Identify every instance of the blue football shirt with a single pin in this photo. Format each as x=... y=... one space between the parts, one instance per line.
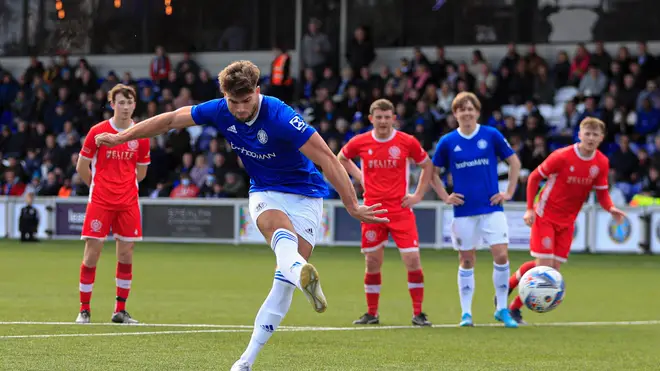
x=268 y=145
x=472 y=161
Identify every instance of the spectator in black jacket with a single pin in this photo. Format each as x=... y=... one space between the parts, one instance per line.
x=360 y=52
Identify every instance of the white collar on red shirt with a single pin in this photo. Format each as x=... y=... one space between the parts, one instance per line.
x=579 y=155
x=119 y=130
x=373 y=134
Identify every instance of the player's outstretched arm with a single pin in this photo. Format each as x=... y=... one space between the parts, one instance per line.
x=84 y=170
x=318 y=151
x=603 y=196
x=152 y=127
x=350 y=167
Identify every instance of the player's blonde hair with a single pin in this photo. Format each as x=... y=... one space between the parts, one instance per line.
x=239 y=78
x=381 y=104
x=462 y=99
x=122 y=89
x=593 y=123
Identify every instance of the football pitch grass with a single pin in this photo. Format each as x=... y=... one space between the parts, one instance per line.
x=197 y=303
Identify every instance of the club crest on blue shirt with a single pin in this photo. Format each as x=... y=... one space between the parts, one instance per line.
x=262 y=136
x=482 y=144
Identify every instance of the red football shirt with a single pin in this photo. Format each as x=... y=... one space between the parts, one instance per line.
x=114 y=170
x=385 y=167
x=571 y=177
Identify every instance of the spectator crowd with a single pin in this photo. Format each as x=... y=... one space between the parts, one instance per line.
x=536 y=102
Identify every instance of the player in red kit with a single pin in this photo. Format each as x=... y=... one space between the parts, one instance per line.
x=384 y=154
x=572 y=173
x=112 y=175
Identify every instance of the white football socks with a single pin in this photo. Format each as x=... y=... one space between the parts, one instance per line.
x=466 y=289
x=270 y=315
x=285 y=245
x=501 y=282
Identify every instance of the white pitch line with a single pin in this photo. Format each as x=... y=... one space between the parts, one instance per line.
x=189 y=325
x=329 y=328
x=246 y=328
x=44 y=336
x=547 y=324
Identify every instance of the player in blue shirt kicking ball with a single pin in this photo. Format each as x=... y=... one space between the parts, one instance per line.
x=470 y=153
x=278 y=150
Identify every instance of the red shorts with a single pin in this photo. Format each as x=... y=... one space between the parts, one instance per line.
x=126 y=225
x=403 y=228
x=550 y=240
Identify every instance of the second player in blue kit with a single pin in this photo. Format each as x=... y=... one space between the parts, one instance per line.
x=471 y=154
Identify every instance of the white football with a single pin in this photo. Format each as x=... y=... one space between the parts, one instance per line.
x=542 y=289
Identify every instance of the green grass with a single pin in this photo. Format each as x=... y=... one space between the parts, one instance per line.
x=225 y=285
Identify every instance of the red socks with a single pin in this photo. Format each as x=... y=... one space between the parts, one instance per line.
x=124 y=278
x=416 y=288
x=372 y=291
x=514 y=280
x=87 y=276
x=516 y=304
x=372 y=282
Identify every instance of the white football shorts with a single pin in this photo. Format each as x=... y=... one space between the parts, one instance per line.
x=467 y=232
x=304 y=212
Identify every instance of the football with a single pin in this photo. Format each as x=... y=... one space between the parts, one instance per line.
x=542 y=289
